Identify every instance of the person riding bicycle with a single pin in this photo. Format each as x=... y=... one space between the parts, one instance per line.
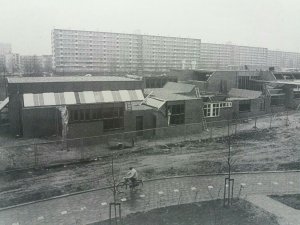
x=132 y=175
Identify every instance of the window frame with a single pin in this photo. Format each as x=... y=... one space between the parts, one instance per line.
x=113 y=115
x=213 y=109
x=245 y=102
x=177 y=114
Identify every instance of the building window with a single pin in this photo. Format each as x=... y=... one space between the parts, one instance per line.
x=297 y=94
x=277 y=100
x=213 y=109
x=206 y=110
x=176 y=114
x=112 y=117
x=74 y=116
x=96 y=114
x=245 y=106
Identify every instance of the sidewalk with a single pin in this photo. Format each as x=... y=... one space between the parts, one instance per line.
x=285 y=214
x=93 y=206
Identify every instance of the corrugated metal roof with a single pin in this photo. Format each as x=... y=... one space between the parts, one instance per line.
x=86 y=97
x=179 y=87
x=243 y=93
x=236 y=99
x=18 y=80
x=154 y=102
x=138 y=107
x=166 y=95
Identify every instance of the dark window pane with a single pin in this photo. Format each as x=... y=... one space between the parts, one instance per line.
x=116 y=112
x=116 y=123
x=75 y=113
x=94 y=114
x=121 y=123
x=177 y=114
x=121 y=112
x=82 y=114
x=108 y=112
x=99 y=113
x=244 y=106
x=87 y=114
x=182 y=108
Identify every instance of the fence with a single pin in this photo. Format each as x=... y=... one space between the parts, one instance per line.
x=49 y=153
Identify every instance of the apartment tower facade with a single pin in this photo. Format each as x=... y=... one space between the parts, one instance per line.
x=92 y=51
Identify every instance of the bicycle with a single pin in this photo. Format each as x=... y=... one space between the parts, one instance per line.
x=128 y=184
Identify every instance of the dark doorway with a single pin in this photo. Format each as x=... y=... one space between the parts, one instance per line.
x=139 y=125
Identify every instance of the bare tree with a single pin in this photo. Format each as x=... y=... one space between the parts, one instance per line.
x=231 y=160
x=113 y=178
x=32 y=67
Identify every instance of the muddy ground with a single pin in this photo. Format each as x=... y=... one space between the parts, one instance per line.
x=252 y=150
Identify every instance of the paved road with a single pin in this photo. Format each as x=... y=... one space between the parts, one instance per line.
x=93 y=206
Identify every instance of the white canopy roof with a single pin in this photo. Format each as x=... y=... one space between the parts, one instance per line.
x=85 y=97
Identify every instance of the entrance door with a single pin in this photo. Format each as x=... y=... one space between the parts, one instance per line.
x=139 y=125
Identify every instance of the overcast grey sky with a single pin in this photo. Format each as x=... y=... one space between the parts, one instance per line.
x=274 y=24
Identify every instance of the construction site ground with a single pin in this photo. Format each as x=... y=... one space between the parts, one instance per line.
x=253 y=149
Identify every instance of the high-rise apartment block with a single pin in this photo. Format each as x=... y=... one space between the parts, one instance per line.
x=91 y=51
x=280 y=59
x=228 y=56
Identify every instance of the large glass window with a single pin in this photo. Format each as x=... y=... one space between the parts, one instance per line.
x=245 y=106
x=176 y=114
x=113 y=117
x=206 y=110
x=213 y=109
x=277 y=100
x=216 y=110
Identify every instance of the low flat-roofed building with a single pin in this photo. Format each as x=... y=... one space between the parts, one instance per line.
x=176 y=107
x=247 y=103
x=90 y=106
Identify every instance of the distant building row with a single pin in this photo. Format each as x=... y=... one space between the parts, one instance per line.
x=14 y=63
x=92 y=51
x=233 y=57
x=75 y=51
x=84 y=106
